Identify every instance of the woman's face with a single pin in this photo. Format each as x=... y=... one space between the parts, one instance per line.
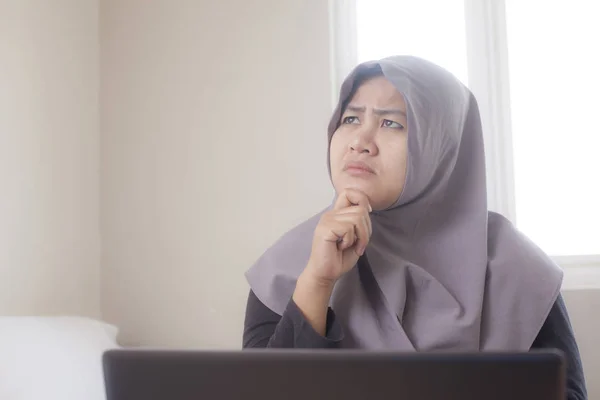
x=369 y=149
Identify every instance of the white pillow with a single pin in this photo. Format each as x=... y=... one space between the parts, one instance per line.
x=53 y=358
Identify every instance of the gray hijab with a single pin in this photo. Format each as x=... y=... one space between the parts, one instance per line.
x=440 y=271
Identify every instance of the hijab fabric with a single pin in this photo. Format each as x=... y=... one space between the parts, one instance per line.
x=440 y=271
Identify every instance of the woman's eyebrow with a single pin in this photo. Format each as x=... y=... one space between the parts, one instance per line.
x=389 y=111
x=357 y=109
x=378 y=111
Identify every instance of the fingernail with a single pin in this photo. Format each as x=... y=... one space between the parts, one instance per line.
x=370 y=208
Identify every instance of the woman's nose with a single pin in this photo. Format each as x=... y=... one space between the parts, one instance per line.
x=363 y=141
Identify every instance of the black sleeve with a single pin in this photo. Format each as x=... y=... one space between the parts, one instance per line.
x=557 y=333
x=265 y=329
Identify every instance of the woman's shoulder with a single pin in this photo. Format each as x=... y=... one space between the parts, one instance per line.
x=513 y=257
x=273 y=276
x=505 y=241
x=291 y=245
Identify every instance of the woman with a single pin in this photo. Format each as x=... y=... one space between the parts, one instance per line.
x=408 y=256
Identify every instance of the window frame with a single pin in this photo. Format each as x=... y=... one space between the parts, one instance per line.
x=486 y=34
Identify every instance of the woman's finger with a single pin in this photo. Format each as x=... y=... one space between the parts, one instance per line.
x=339 y=231
x=346 y=234
x=350 y=197
x=352 y=209
x=361 y=223
x=369 y=225
x=363 y=236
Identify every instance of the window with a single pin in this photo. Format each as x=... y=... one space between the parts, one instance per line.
x=386 y=27
x=555 y=103
x=537 y=85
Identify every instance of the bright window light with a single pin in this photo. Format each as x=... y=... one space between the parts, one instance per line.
x=555 y=105
x=554 y=87
x=431 y=29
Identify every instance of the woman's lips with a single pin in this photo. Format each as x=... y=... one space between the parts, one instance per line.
x=358 y=168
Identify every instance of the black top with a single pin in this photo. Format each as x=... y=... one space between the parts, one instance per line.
x=264 y=328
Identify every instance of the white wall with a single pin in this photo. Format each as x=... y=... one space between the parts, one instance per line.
x=213 y=138
x=49 y=235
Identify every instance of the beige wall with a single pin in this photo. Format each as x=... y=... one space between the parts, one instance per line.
x=49 y=235
x=213 y=143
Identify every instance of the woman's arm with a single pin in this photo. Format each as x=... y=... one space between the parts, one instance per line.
x=340 y=238
x=557 y=333
x=265 y=329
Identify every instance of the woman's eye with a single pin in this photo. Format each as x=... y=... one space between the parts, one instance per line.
x=350 y=120
x=391 y=124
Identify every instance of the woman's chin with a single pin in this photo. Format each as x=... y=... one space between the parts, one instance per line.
x=378 y=199
x=363 y=187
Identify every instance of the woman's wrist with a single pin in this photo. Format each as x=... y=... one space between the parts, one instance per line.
x=310 y=277
x=312 y=296
x=318 y=288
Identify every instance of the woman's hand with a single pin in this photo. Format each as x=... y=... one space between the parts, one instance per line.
x=340 y=238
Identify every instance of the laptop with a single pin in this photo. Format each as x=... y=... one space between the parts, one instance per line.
x=332 y=374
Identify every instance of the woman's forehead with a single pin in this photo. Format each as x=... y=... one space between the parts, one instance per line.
x=377 y=92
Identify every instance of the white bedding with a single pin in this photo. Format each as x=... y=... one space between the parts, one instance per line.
x=53 y=358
